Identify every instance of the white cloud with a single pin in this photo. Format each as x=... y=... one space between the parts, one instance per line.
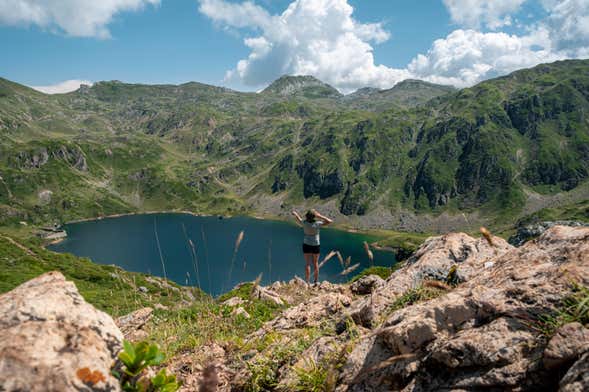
x=337 y=49
x=466 y=57
x=475 y=13
x=568 y=26
x=63 y=87
x=316 y=37
x=78 y=18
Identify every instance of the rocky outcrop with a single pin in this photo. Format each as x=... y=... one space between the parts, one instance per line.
x=132 y=325
x=432 y=261
x=52 y=340
x=480 y=335
x=529 y=232
x=35 y=159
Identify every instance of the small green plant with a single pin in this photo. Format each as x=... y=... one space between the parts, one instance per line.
x=312 y=377
x=383 y=272
x=263 y=375
x=135 y=358
x=575 y=308
x=413 y=296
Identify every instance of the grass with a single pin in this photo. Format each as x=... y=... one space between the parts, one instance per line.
x=419 y=294
x=573 y=308
x=109 y=288
x=205 y=321
x=383 y=272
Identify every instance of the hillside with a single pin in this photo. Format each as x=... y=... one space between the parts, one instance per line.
x=462 y=313
x=490 y=154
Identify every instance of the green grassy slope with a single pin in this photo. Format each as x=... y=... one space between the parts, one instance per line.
x=119 y=147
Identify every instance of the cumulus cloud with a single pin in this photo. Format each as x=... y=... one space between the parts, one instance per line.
x=568 y=26
x=338 y=49
x=63 y=87
x=332 y=46
x=78 y=18
x=466 y=57
x=475 y=13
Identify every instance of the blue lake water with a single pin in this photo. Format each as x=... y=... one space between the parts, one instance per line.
x=272 y=248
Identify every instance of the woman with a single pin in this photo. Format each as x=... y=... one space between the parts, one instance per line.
x=311 y=245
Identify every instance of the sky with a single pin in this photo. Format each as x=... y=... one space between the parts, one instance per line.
x=55 y=45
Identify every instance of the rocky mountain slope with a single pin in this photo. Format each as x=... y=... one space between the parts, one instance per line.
x=461 y=314
x=416 y=156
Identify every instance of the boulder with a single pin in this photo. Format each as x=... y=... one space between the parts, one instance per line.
x=366 y=284
x=131 y=325
x=566 y=346
x=233 y=301
x=477 y=336
x=432 y=261
x=52 y=340
x=577 y=377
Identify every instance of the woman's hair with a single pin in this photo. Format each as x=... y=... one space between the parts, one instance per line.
x=310 y=216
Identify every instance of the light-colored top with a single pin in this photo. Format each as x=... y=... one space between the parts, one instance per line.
x=311 y=231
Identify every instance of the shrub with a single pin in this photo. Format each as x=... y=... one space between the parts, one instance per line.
x=135 y=358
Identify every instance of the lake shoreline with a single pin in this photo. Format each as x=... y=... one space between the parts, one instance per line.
x=258 y=217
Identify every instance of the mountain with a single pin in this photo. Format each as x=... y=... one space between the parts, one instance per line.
x=303 y=86
x=408 y=93
x=489 y=154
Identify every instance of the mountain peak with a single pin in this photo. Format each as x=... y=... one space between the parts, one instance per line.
x=301 y=85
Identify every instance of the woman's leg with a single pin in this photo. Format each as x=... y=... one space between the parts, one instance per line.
x=308 y=260
x=316 y=265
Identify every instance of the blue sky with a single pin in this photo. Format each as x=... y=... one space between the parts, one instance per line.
x=245 y=45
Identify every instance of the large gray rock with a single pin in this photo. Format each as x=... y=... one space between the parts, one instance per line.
x=52 y=340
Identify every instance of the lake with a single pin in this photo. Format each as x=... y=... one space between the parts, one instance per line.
x=272 y=248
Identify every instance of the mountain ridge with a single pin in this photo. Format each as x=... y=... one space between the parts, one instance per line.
x=492 y=152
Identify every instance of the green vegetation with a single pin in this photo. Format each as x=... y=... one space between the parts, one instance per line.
x=312 y=377
x=574 y=308
x=117 y=147
x=109 y=288
x=383 y=272
x=422 y=293
x=135 y=359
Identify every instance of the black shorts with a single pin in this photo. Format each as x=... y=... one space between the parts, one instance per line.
x=314 y=249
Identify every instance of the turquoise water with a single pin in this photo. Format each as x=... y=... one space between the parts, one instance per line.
x=269 y=247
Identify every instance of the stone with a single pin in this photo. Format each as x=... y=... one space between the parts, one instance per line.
x=477 y=336
x=233 y=301
x=53 y=340
x=131 y=325
x=143 y=289
x=45 y=196
x=576 y=378
x=264 y=294
x=240 y=312
x=566 y=346
x=366 y=284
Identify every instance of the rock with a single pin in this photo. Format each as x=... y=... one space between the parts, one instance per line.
x=45 y=196
x=52 y=340
x=240 y=312
x=577 y=377
x=233 y=301
x=566 y=346
x=366 y=284
x=308 y=313
x=298 y=281
x=203 y=370
x=433 y=260
x=143 y=289
x=529 y=232
x=477 y=336
x=262 y=293
x=131 y=325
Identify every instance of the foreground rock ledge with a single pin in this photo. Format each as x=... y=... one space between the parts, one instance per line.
x=52 y=340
